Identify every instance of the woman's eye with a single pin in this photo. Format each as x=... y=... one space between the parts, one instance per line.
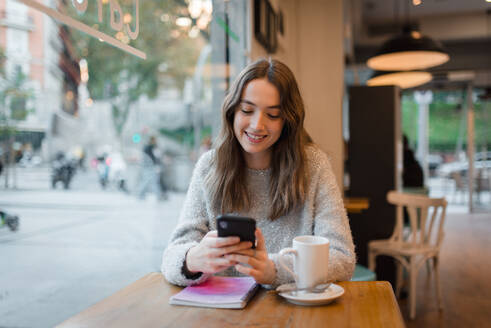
x=246 y=110
x=274 y=116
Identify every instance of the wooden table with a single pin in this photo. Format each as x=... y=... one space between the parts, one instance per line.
x=356 y=204
x=145 y=303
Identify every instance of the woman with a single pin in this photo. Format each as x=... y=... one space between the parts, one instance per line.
x=265 y=167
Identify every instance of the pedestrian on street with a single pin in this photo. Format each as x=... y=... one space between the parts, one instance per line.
x=150 y=170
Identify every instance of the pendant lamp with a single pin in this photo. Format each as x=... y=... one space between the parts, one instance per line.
x=403 y=79
x=408 y=51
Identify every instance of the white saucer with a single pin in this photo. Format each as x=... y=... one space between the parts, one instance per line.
x=305 y=298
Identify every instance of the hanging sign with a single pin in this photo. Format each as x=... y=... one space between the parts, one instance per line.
x=117 y=22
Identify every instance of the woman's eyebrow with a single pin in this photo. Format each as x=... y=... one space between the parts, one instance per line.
x=253 y=104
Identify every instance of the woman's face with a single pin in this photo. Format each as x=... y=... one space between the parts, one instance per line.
x=258 y=122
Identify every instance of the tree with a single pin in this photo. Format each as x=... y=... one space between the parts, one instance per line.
x=122 y=78
x=14 y=97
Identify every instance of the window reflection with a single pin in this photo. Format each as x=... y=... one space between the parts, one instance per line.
x=72 y=105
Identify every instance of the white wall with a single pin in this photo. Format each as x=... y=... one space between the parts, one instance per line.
x=313 y=48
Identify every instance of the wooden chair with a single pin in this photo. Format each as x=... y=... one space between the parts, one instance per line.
x=416 y=245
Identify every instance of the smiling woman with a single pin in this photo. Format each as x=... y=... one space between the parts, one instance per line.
x=267 y=88
x=258 y=122
x=266 y=167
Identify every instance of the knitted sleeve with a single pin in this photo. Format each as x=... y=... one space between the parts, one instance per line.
x=328 y=219
x=331 y=221
x=192 y=226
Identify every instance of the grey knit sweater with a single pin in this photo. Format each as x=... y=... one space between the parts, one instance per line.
x=322 y=214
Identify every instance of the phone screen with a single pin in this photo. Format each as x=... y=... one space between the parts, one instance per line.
x=243 y=227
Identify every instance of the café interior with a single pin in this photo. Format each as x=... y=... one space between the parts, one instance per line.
x=336 y=50
x=337 y=44
x=363 y=34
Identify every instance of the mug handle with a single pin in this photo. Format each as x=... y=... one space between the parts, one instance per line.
x=284 y=252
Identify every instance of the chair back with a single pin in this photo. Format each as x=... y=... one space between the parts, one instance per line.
x=426 y=219
x=460 y=183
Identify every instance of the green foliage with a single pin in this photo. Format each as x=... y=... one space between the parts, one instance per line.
x=410 y=120
x=185 y=135
x=122 y=78
x=3 y=58
x=447 y=122
x=14 y=97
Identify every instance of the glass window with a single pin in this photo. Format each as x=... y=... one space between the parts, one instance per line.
x=103 y=114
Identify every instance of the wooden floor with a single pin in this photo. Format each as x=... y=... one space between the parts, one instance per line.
x=465 y=277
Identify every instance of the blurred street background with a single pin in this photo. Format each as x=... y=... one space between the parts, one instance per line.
x=75 y=247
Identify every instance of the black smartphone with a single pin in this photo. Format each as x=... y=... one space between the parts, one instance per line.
x=232 y=225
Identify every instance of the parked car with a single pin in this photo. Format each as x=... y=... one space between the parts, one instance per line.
x=482 y=160
x=434 y=161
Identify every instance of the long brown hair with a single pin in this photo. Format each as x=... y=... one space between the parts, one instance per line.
x=227 y=176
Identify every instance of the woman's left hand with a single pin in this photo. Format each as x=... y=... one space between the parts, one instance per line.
x=262 y=269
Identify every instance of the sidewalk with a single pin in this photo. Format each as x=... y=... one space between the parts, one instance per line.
x=75 y=247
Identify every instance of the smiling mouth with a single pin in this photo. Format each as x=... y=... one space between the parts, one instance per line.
x=254 y=137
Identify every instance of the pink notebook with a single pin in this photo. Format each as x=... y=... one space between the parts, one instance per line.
x=218 y=292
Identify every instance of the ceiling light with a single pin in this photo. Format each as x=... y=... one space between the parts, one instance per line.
x=194 y=8
x=183 y=21
x=408 y=51
x=405 y=80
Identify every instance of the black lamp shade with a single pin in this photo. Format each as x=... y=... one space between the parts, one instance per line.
x=408 y=51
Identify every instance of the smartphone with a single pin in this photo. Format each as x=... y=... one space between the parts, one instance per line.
x=232 y=225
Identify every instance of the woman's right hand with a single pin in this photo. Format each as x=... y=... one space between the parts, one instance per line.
x=207 y=256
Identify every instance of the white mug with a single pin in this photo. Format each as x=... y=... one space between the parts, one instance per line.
x=311 y=258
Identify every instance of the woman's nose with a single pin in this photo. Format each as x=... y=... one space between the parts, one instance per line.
x=257 y=121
